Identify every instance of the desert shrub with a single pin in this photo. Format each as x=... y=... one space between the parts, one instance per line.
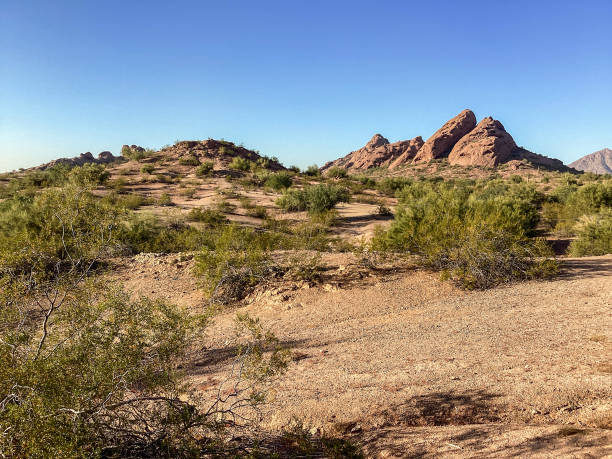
x=594 y=235
x=240 y=164
x=89 y=174
x=390 y=185
x=165 y=200
x=279 y=181
x=294 y=169
x=144 y=234
x=478 y=237
x=189 y=192
x=136 y=153
x=383 y=210
x=223 y=205
x=336 y=172
x=312 y=171
x=574 y=201
x=86 y=371
x=189 y=160
x=257 y=212
x=128 y=201
x=304 y=268
x=209 y=216
x=315 y=199
x=235 y=263
x=55 y=176
x=367 y=182
x=147 y=168
x=205 y=169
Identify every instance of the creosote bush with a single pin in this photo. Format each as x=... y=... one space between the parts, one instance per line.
x=594 y=235
x=205 y=169
x=315 y=199
x=279 y=181
x=312 y=171
x=336 y=172
x=477 y=235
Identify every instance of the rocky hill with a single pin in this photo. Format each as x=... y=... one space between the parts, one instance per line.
x=221 y=152
x=185 y=153
x=104 y=157
x=461 y=140
x=599 y=162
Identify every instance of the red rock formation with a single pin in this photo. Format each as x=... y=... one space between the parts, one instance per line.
x=441 y=143
x=488 y=144
x=378 y=152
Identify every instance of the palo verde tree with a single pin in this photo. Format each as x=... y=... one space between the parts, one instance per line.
x=87 y=371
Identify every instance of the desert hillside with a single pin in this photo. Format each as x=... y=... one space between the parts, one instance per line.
x=216 y=301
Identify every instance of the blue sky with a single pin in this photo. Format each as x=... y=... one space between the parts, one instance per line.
x=307 y=81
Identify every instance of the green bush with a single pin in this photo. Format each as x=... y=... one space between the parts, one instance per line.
x=189 y=160
x=233 y=265
x=135 y=153
x=165 y=200
x=208 y=216
x=315 y=199
x=145 y=234
x=147 y=168
x=205 y=169
x=477 y=235
x=594 y=235
x=240 y=164
x=86 y=371
x=390 y=185
x=257 y=212
x=336 y=172
x=279 y=181
x=312 y=171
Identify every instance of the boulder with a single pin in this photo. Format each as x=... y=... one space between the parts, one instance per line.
x=106 y=157
x=488 y=144
x=441 y=143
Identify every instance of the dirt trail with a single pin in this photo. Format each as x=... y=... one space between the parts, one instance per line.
x=412 y=366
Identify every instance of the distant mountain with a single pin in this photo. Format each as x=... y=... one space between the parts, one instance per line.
x=599 y=162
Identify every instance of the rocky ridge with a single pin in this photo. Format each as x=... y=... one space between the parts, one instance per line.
x=461 y=140
x=378 y=152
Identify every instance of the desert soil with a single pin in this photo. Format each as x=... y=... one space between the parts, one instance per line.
x=409 y=366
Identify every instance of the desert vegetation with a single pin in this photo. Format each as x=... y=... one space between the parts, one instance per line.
x=90 y=369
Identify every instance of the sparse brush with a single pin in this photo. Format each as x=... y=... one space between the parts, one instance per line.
x=189 y=160
x=205 y=169
x=312 y=171
x=594 y=235
x=279 y=181
x=165 y=200
x=209 y=216
x=315 y=199
x=336 y=172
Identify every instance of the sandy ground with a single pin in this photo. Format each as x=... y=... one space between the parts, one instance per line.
x=409 y=366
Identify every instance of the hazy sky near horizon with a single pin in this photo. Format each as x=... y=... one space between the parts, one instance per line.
x=307 y=81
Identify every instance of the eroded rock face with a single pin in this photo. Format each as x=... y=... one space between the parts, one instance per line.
x=441 y=143
x=488 y=144
x=378 y=152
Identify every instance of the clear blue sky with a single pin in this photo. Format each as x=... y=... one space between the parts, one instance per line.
x=306 y=81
